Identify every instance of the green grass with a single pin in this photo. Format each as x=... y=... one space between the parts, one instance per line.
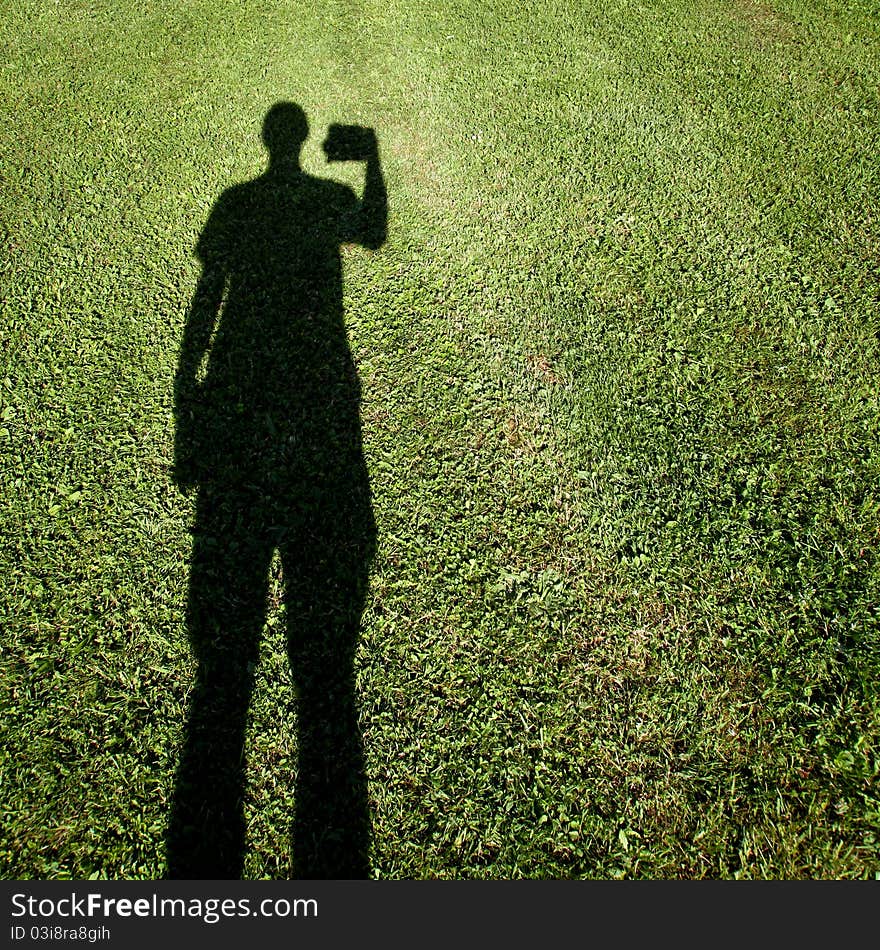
x=619 y=361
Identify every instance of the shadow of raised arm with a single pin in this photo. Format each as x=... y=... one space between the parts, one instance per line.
x=367 y=225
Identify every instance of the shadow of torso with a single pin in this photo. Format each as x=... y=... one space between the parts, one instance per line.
x=280 y=398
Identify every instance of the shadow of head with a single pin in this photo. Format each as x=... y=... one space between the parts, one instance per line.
x=285 y=128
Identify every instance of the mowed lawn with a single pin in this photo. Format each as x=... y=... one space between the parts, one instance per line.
x=618 y=360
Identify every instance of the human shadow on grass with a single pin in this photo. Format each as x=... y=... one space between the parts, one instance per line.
x=267 y=405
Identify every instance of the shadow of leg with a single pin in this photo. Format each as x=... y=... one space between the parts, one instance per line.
x=331 y=829
x=226 y=610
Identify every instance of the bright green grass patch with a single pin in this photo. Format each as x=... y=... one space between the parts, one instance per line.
x=619 y=361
